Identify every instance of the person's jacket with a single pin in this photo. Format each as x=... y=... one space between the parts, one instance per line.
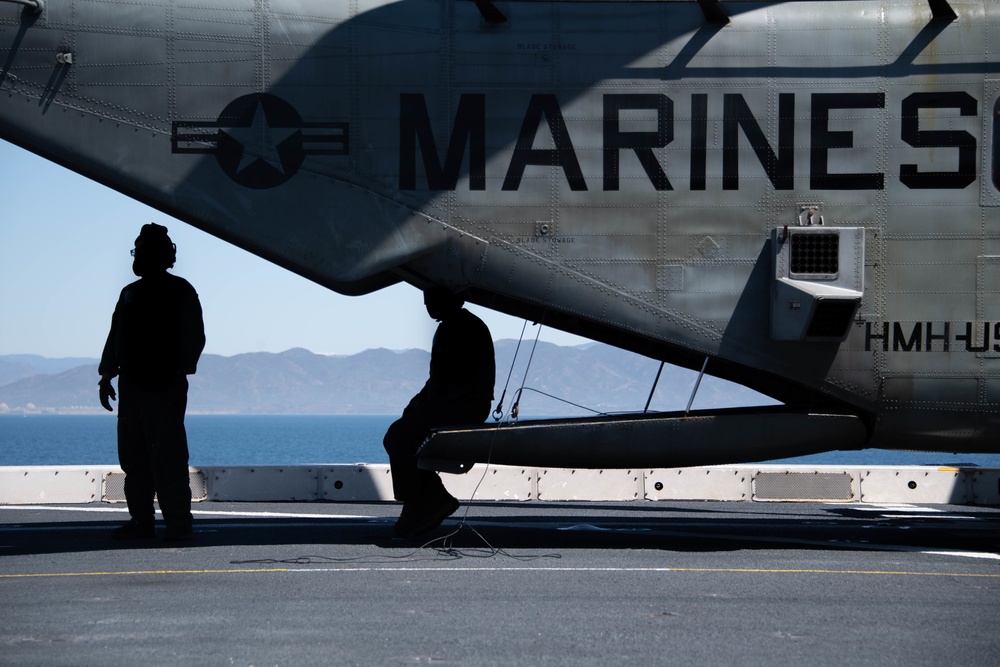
x=157 y=332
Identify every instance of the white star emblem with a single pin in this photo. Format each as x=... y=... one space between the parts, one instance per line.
x=260 y=141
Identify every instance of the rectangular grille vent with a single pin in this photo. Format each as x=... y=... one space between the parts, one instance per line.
x=789 y=486
x=815 y=254
x=114 y=487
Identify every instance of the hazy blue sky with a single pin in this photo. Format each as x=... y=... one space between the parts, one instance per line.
x=64 y=257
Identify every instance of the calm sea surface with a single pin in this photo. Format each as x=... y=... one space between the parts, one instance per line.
x=212 y=439
x=295 y=440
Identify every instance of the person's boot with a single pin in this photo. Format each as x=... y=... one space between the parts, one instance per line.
x=407 y=520
x=433 y=512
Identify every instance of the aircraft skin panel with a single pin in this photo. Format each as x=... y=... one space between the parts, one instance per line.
x=624 y=171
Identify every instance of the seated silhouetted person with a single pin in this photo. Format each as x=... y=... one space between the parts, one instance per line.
x=458 y=391
x=156 y=338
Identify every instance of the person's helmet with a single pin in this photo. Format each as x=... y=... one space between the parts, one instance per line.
x=158 y=251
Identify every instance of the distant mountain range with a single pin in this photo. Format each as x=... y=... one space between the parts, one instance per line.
x=561 y=381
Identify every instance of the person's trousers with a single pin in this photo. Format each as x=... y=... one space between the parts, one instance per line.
x=153 y=450
x=405 y=436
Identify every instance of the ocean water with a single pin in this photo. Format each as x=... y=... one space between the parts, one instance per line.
x=212 y=439
x=308 y=439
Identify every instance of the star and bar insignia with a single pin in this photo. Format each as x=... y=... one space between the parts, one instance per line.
x=260 y=140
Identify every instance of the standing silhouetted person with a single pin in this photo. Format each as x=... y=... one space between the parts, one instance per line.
x=156 y=338
x=458 y=391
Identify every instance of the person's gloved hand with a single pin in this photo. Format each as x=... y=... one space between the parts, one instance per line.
x=107 y=391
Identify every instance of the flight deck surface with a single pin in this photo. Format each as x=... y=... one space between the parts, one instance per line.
x=502 y=583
